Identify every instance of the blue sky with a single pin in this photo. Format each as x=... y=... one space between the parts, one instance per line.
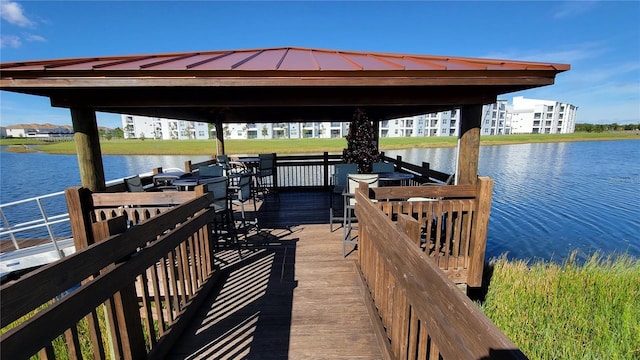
x=600 y=39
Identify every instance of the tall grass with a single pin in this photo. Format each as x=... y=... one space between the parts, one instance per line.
x=573 y=310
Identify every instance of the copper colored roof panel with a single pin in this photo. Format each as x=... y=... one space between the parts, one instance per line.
x=281 y=59
x=274 y=84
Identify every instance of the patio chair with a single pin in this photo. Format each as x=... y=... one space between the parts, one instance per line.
x=134 y=184
x=383 y=167
x=241 y=194
x=211 y=171
x=228 y=165
x=353 y=181
x=223 y=224
x=339 y=185
x=265 y=181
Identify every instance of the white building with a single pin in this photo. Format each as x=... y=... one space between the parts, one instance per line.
x=143 y=127
x=500 y=118
x=531 y=116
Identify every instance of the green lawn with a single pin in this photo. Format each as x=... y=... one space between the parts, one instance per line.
x=295 y=146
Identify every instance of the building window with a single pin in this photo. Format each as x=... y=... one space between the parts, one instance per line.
x=550 y=108
x=537 y=116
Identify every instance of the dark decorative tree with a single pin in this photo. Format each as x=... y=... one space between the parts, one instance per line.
x=361 y=146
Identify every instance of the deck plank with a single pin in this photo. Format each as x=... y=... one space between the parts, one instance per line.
x=291 y=296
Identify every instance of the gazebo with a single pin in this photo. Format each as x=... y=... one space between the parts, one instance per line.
x=412 y=306
x=272 y=85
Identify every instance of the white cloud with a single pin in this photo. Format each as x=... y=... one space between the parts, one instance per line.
x=570 y=53
x=572 y=8
x=12 y=13
x=9 y=41
x=32 y=37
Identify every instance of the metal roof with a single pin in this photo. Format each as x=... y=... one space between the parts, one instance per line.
x=278 y=59
x=274 y=84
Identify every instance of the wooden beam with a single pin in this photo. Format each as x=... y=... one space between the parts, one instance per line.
x=87 y=142
x=469 y=144
x=219 y=138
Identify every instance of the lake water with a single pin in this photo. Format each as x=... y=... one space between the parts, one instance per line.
x=549 y=199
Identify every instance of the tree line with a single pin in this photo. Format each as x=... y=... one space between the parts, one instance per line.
x=606 y=127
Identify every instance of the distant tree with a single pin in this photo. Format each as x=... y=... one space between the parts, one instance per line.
x=265 y=132
x=118 y=133
x=142 y=136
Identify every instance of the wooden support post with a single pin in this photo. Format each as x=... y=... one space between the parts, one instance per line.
x=219 y=138
x=87 y=141
x=376 y=134
x=469 y=144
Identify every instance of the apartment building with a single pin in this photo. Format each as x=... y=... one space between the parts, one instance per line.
x=532 y=116
x=143 y=127
x=522 y=116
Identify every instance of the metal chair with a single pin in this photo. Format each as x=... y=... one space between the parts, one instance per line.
x=134 y=184
x=211 y=171
x=223 y=223
x=242 y=193
x=265 y=181
x=383 y=167
x=353 y=181
x=339 y=185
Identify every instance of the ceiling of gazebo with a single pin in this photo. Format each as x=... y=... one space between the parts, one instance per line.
x=275 y=84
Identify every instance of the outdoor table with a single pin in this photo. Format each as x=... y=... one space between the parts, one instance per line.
x=165 y=178
x=187 y=183
x=395 y=177
x=250 y=162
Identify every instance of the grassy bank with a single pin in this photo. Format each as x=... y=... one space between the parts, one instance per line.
x=568 y=311
x=299 y=146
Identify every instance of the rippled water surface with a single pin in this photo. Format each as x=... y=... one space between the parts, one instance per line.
x=549 y=199
x=552 y=198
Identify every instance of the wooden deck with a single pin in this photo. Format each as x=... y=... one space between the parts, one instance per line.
x=290 y=296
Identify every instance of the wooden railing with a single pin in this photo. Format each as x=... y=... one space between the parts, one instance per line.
x=453 y=222
x=418 y=311
x=128 y=290
x=314 y=171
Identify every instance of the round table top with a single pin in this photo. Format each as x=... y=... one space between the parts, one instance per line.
x=248 y=159
x=393 y=176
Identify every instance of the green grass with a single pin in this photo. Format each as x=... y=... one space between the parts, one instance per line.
x=297 y=146
x=568 y=311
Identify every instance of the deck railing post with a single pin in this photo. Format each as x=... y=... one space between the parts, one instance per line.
x=187 y=166
x=275 y=172
x=479 y=234
x=326 y=170
x=425 y=170
x=80 y=205
x=398 y=163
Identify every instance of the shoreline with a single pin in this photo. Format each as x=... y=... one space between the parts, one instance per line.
x=292 y=146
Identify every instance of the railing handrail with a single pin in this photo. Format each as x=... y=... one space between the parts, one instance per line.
x=417 y=301
x=149 y=241
x=44 y=220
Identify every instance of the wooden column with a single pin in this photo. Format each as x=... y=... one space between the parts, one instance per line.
x=219 y=138
x=469 y=144
x=87 y=142
x=376 y=133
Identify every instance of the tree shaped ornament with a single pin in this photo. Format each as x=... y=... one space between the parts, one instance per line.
x=361 y=146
